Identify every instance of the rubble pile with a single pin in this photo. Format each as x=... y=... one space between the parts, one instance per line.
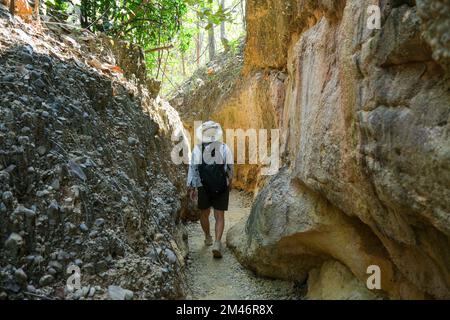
x=86 y=178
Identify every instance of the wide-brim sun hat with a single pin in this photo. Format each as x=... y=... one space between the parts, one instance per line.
x=209 y=131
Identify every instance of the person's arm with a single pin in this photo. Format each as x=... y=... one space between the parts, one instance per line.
x=193 y=180
x=229 y=165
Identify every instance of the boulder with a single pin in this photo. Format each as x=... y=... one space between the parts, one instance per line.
x=118 y=293
x=333 y=281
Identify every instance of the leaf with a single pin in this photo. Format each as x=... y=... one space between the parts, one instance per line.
x=105 y=66
x=116 y=69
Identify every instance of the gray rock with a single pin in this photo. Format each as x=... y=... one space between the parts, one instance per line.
x=39 y=84
x=41 y=150
x=8 y=77
x=101 y=266
x=132 y=141
x=13 y=244
x=23 y=140
x=38 y=259
x=46 y=280
x=20 y=276
x=22 y=211
x=53 y=209
x=52 y=271
x=31 y=288
x=84 y=227
x=34 y=75
x=118 y=293
x=7 y=197
x=171 y=256
x=55 y=265
x=63 y=256
x=85 y=291
x=55 y=184
x=88 y=268
x=26 y=58
x=70 y=227
x=76 y=170
x=99 y=222
x=42 y=193
x=77 y=294
x=91 y=292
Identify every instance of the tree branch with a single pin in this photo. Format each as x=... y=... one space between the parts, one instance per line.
x=170 y=46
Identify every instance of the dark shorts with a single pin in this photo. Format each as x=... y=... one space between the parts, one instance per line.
x=218 y=202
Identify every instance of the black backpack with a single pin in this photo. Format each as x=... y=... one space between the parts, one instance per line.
x=213 y=175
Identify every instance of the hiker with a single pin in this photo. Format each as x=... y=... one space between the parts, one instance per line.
x=209 y=180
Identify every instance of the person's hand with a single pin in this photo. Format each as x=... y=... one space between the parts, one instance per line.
x=230 y=183
x=193 y=194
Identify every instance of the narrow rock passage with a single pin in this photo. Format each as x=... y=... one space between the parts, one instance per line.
x=225 y=278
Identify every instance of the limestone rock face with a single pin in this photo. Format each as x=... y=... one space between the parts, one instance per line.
x=365 y=145
x=333 y=281
x=292 y=229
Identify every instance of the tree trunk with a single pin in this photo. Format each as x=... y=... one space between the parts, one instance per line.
x=12 y=6
x=183 y=64
x=243 y=14
x=211 y=43
x=222 y=24
x=198 y=42
x=223 y=36
x=164 y=69
x=84 y=14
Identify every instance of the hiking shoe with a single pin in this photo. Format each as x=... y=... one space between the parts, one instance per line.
x=217 y=249
x=208 y=241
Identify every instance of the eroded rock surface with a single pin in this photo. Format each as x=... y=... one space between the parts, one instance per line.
x=85 y=174
x=365 y=144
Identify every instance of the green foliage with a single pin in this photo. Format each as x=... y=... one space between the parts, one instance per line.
x=234 y=44
x=207 y=12
x=57 y=5
x=185 y=39
x=155 y=25
x=58 y=8
x=146 y=23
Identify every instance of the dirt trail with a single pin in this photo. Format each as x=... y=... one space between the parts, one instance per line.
x=225 y=278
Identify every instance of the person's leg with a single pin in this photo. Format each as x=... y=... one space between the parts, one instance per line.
x=205 y=207
x=220 y=223
x=204 y=221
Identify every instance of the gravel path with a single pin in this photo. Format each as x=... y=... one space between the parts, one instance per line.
x=225 y=278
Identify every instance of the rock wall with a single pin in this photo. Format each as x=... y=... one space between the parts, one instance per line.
x=85 y=173
x=365 y=144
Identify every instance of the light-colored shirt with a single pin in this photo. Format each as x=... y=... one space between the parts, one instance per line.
x=225 y=157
